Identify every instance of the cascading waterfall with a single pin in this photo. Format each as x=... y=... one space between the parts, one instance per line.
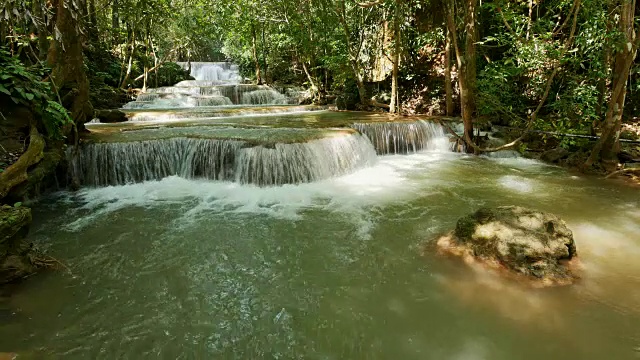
x=215 y=84
x=104 y=164
x=303 y=162
x=264 y=97
x=405 y=137
x=217 y=71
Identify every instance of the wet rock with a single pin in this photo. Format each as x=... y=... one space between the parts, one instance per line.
x=527 y=243
x=111 y=116
x=554 y=155
x=15 y=253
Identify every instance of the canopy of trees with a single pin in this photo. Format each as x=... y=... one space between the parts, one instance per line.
x=556 y=65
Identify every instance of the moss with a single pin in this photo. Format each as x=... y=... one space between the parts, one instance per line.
x=14 y=222
x=465 y=227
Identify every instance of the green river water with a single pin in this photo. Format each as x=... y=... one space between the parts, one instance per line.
x=336 y=269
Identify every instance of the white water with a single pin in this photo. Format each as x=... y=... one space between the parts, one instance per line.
x=222 y=72
x=386 y=180
x=105 y=164
x=405 y=137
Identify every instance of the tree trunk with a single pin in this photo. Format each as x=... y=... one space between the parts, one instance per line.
x=448 y=86
x=606 y=63
x=43 y=43
x=93 y=20
x=466 y=66
x=353 y=56
x=608 y=146
x=394 y=107
x=264 y=55
x=67 y=63
x=314 y=87
x=254 y=51
x=131 y=55
x=529 y=19
x=115 y=20
x=469 y=72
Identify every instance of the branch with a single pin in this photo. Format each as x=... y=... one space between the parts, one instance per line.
x=534 y=115
x=162 y=61
x=506 y=23
x=566 y=21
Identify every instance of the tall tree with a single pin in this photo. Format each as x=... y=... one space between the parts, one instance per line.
x=66 y=61
x=466 y=62
x=607 y=146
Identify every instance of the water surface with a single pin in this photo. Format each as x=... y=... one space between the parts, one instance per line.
x=334 y=269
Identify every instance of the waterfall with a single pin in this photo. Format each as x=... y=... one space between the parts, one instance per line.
x=404 y=137
x=264 y=97
x=216 y=84
x=304 y=162
x=217 y=72
x=103 y=164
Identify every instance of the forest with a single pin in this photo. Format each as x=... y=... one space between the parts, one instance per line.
x=335 y=179
x=556 y=66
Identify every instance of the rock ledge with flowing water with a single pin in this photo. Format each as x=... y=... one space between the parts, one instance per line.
x=528 y=243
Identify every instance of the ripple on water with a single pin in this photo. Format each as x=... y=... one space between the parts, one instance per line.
x=204 y=269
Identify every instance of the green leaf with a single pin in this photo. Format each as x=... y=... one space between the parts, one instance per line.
x=4 y=90
x=17 y=205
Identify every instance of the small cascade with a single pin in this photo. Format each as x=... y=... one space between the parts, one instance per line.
x=303 y=162
x=221 y=72
x=104 y=164
x=405 y=137
x=264 y=97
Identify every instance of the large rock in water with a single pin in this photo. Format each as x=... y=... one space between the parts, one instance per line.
x=111 y=116
x=529 y=243
x=15 y=253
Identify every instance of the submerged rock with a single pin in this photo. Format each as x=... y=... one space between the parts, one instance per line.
x=15 y=253
x=528 y=243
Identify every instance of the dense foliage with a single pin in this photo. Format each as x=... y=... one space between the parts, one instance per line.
x=23 y=86
x=552 y=65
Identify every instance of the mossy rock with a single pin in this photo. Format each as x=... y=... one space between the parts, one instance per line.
x=14 y=224
x=525 y=242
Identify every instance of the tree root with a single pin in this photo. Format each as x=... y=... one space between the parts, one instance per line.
x=16 y=174
x=49 y=262
x=633 y=172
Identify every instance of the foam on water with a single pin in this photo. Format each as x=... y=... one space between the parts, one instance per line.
x=353 y=194
x=517 y=183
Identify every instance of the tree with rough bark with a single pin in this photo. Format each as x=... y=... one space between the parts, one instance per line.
x=607 y=147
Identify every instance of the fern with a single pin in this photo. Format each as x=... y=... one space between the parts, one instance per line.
x=55 y=118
